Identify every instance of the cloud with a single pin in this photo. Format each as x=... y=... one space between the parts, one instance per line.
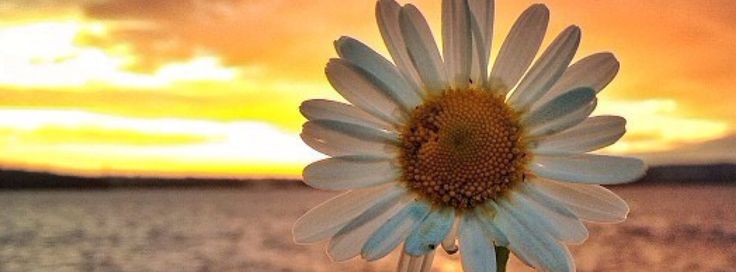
x=275 y=107
x=102 y=144
x=680 y=50
x=668 y=49
x=95 y=135
x=657 y=124
x=284 y=35
x=714 y=151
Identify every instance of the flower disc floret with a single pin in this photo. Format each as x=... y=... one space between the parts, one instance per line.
x=463 y=147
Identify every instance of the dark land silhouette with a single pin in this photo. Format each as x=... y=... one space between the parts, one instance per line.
x=15 y=179
x=720 y=174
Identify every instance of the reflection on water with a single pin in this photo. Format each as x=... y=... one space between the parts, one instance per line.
x=670 y=229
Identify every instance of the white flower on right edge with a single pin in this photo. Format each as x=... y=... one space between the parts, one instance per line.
x=438 y=149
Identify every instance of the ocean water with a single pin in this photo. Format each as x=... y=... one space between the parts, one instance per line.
x=680 y=228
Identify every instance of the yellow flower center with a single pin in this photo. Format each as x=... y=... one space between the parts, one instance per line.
x=463 y=147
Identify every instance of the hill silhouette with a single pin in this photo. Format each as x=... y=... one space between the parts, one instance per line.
x=724 y=173
x=13 y=179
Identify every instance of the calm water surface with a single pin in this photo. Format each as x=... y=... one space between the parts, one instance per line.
x=683 y=228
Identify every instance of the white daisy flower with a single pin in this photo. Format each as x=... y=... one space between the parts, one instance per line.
x=435 y=149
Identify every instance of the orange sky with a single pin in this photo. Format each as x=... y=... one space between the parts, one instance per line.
x=211 y=87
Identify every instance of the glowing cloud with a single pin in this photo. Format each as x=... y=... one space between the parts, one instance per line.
x=172 y=147
x=46 y=54
x=656 y=125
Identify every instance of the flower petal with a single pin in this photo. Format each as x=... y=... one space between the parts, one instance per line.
x=364 y=91
x=408 y=263
x=449 y=244
x=430 y=233
x=563 y=122
x=321 y=109
x=592 y=134
x=383 y=70
x=395 y=230
x=427 y=262
x=559 y=107
x=328 y=218
x=588 y=168
x=481 y=12
x=594 y=71
x=519 y=48
x=457 y=42
x=387 y=15
x=477 y=253
x=547 y=69
x=486 y=215
x=531 y=243
x=336 y=138
x=588 y=202
x=552 y=215
x=349 y=241
x=422 y=49
x=350 y=172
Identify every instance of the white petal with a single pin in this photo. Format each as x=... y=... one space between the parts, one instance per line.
x=552 y=215
x=387 y=15
x=547 y=69
x=348 y=242
x=588 y=168
x=404 y=261
x=588 y=202
x=559 y=107
x=477 y=253
x=395 y=230
x=363 y=90
x=594 y=71
x=340 y=147
x=430 y=233
x=563 y=122
x=537 y=195
x=486 y=214
x=519 y=48
x=592 y=134
x=336 y=138
x=328 y=218
x=350 y=172
x=423 y=50
x=450 y=241
x=408 y=263
x=383 y=70
x=531 y=243
x=324 y=148
x=427 y=262
x=321 y=109
x=457 y=42
x=481 y=12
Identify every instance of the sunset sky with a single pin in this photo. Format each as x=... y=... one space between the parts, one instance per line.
x=212 y=87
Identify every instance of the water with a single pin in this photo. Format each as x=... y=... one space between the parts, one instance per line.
x=670 y=229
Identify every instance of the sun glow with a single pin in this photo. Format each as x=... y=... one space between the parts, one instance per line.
x=650 y=126
x=46 y=54
x=105 y=144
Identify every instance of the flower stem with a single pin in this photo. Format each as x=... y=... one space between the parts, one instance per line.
x=502 y=256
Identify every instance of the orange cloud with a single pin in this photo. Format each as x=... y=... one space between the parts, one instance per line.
x=676 y=49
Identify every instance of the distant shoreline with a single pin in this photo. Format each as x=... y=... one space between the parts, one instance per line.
x=713 y=174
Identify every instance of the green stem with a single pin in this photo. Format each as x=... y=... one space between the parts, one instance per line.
x=502 y=256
